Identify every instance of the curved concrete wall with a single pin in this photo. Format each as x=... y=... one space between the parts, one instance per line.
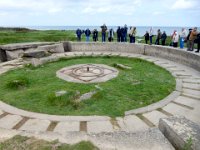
x=174 y=54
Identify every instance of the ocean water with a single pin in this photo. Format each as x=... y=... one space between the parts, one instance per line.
x=140 y=29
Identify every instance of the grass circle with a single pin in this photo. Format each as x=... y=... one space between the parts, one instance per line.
x=143 y=84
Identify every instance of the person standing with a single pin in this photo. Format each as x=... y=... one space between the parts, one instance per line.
x=192 y=37
x=87 y=34
x=198 y=43
x=125 y=32
x=151 y=35
x=78 y=34
x=183 y=36
x=95 y=35
x=175 y=39
x=118 y=34
x=132 y=34
x=110 y=35
x=122 y=34
x=103 y=32
x=146 y=37
x=158 y=37
x=163 y=38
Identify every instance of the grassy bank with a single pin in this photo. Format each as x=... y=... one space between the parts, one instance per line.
x=20 y=35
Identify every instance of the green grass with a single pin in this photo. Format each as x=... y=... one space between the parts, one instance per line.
x=25 y=143
x=144 y=84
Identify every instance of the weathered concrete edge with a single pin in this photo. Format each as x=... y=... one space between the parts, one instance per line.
x=178 y=129
x=154 y=106
x=13 y=110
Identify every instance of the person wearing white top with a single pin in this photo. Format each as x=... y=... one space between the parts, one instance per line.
x=151 y=35
x=175 y=39
x=183 y=36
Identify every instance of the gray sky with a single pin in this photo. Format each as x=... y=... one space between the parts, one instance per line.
x=97 y=12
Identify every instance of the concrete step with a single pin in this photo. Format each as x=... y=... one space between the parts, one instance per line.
x=131 y=123
x=192 y=86
x=35 y=125
x=175 y=109
x=9 y=121
x=154 y=116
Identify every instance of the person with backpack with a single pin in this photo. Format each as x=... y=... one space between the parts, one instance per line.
x=193 y=36
x=95 y=35
x=103 y=31
x=78 y=34
x=158 y=37
x=110 y=35
x=87 y=34
x=163 y=38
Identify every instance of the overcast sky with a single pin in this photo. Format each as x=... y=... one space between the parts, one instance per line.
x=97 y=12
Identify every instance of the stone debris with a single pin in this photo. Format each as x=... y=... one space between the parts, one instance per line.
x=122 y=66
x=87 y=96
x=60 y=93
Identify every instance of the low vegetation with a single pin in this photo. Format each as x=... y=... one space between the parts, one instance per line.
x=25 y=143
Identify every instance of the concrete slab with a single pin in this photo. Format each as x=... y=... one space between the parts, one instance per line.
x=99 y=126
x=191 y=92
x=182 y=111
x=35 y=125
x=179 y=130
x=133 y=123
x=154 y=116
x=192 y=86
x=1 y=112
x=151 y=139
x=188 y=101
x=63 y=127
x=192 y=81
x=6 y=134
x=9 y=121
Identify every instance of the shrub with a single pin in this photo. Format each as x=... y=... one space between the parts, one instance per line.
x=68 y=99
x=18 y=83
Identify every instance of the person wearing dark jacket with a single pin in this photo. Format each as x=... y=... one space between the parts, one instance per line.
x=87 y=34
x=78 y=34
x=118 y=34
x=122 y=34
x=198 y=43
x=146 y=37
x=95 y=35
x=158 y=37
x=103 y=30
x=163 y=38
x=188 y=36
x=125 y=32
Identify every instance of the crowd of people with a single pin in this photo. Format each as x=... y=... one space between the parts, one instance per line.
x=189 y=37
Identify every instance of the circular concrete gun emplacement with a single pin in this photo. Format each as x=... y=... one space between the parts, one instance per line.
x=137 y=128
x=87 y=73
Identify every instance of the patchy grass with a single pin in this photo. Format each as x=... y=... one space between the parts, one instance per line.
x=140 y=86
x=25 y=143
